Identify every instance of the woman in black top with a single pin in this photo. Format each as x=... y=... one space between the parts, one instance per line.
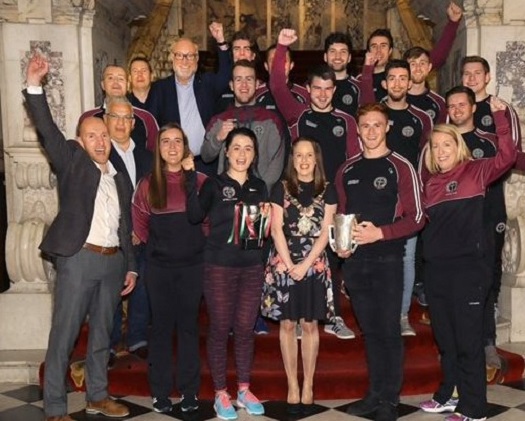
x=174 y=256
x=298 y=284
x=235 y=203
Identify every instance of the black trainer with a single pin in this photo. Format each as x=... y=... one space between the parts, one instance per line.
x=386 y=412
x=189 y=403
x=162 y=405
x=364 y=406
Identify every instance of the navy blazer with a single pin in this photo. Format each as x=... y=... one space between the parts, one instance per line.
x=208 y=87
x=78 y=179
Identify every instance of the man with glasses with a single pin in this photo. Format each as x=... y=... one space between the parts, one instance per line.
x=136 y=162
x=189 y=97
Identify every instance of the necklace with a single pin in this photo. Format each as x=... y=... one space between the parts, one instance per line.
x=305 y=223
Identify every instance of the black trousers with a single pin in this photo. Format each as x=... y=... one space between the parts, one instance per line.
x=456 y=293
x=175 y=296
x=496 y=240
x=376 y=288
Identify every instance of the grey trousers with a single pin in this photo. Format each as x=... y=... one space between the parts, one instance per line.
x=87 y=283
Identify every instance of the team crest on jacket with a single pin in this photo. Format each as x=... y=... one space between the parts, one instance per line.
x=338 y=131
x=478 y=153
x=452 y=187
x=380 y=183
x=487 y=120
x=258 y=130
x=228 y=192
x=347 y=99
x=431 y=113
x=408 y=131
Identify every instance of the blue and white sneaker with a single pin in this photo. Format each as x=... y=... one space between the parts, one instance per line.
x=248 y=401
x=223 y=407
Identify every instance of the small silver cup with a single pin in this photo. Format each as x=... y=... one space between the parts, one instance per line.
x=340 y=233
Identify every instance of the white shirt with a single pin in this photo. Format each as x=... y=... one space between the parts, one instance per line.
x=129 y=159
x=106 y=214
x=190 y=118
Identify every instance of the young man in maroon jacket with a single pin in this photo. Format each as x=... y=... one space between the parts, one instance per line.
x=382 y=188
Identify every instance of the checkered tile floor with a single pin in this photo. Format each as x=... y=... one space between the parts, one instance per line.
x=24 y=403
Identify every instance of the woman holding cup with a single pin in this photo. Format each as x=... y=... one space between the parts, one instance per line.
x=236 y=205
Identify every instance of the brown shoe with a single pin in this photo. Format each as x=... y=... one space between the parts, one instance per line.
x=107 y=407
x=61 y=418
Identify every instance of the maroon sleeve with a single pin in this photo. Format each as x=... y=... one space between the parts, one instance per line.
x=353 y=144
x=366 y=85
x=514 y=123
x=440 y=52
x=141 y=210
x=289 y=107
x=151 y=126
x=409 y=212
x=340 y=188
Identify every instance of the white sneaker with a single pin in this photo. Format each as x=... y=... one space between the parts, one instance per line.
x=406 y=328
x=339 y=329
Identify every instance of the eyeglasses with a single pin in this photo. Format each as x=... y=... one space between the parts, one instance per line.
x=187 y=56
x=120 y=117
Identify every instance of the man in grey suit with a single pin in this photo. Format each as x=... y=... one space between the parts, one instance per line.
x=90 y=241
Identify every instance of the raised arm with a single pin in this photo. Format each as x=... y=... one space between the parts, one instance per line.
x=441 y=51
x=290 y=108
x=51 y=138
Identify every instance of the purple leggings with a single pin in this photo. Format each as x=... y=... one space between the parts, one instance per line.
x=233 y=298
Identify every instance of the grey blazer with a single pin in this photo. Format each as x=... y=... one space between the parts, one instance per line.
x=78 y=179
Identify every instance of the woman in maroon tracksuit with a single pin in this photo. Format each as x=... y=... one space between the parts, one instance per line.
x=457 y=274
x=174 y=256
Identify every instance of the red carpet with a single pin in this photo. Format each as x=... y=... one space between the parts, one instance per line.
x=341 y=368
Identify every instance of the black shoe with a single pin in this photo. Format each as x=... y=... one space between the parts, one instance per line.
x=363 y=407
x=386 y=412
x=293 y=408
x=189 y=403
x=307 y=409
x=162 y=405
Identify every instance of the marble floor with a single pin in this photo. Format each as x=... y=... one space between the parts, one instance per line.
x=24 y=403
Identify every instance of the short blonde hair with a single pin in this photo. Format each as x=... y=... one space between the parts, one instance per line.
x=462 y=155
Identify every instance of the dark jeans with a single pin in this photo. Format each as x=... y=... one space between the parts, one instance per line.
x=456 y=293
x=175 y=296
x=376 y=287
x=138 y=311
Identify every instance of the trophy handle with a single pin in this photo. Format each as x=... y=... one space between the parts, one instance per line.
x=353 y=247
x=331 y=237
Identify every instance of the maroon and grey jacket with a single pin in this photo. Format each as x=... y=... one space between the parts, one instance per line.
x=271 y=135
x=454 y=201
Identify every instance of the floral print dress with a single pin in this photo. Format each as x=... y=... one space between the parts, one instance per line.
x=312 y=297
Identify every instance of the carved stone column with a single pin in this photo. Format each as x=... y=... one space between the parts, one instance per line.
x=495 y=30
x=60 y=30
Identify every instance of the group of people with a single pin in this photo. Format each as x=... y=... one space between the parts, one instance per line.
x=233 y=199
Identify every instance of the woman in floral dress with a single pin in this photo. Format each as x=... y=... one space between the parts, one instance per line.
x=298 y=286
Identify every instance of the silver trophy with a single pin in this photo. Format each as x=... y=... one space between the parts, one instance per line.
x=340 y=233
x=251 y=226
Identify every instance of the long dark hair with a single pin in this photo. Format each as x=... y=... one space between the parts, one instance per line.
x=290 y=175
x=242 y=131
x=157 y=195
